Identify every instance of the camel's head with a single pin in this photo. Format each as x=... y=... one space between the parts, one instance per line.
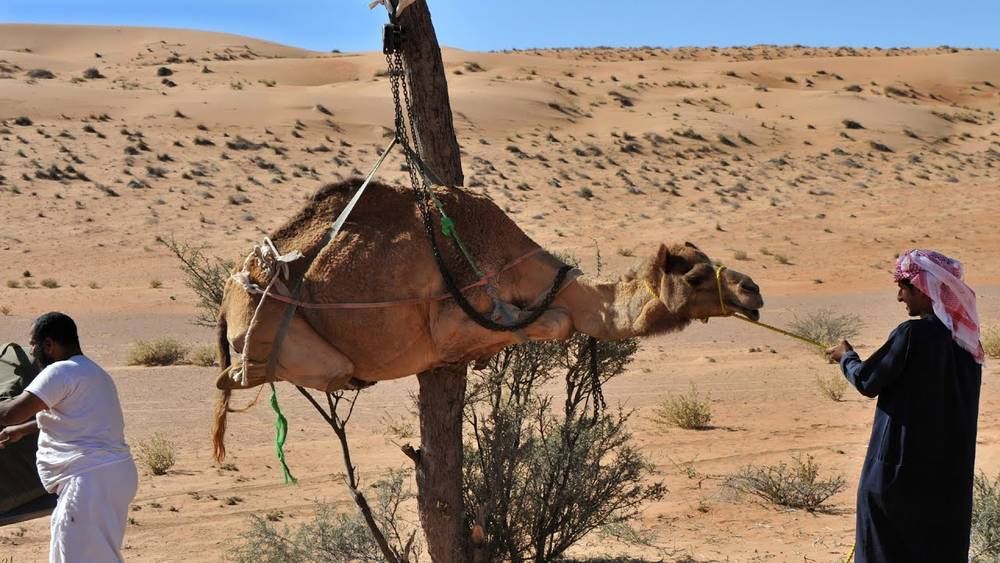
x=690 y=285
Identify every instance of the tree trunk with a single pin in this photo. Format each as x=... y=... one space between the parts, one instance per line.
x=442 y=391
x=439 y=467
x=429 y=95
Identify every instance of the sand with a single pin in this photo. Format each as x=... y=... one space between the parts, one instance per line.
x=743 y=151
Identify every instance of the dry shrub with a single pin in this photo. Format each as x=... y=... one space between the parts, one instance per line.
x=991 y=341
x=832 y=386
x=332 y=536
x=985 y=519
x=796 y=486
x=689 y=411
x=828 y=328
x=160 y=352
x=158 y=454
x=203 y=356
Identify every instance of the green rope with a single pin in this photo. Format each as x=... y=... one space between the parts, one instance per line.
x=280 y=435
x=450 y=230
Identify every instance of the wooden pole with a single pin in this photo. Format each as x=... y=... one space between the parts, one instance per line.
x=441 y=397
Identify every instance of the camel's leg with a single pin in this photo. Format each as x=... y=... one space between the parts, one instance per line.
x=305 y=359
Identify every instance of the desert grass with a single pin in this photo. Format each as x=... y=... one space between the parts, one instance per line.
x=157 y=454
x=991 y=341
x=690 y=411
x=832 y=386
x=203 y=356
x=160 y=352
x=828 y=327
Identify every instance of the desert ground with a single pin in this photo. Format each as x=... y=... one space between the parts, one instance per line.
x=806 y=168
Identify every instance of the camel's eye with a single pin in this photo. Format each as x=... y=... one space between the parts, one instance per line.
x=697 y=276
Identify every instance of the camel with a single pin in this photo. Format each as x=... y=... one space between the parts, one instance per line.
x=382 y=253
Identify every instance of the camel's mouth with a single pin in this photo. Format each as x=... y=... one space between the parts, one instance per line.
x=750 y=312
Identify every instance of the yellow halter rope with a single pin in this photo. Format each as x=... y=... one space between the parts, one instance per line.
x=727 y=313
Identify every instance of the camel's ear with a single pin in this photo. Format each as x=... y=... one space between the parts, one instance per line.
x=662 y=257
x=665 y=260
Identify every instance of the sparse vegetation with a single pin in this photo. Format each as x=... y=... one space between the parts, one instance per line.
x=155 y=283
x=203 y=356
x=160 y=352
x=206 y=276
x=828 y=327
x=6 y=310
x=41 y=73
x=991 y=341
x=92 y=74
x=542 y=472
x=690 y=411
x=49 y=283
x=795 y=486
x=332 y=536
x=740 y=255
x=985 y=519
x=832 y=386
x=157 y=454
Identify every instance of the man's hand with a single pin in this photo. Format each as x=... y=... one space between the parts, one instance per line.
x=838 y=351
x=12 y=434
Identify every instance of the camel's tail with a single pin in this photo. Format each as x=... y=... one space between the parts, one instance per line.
x=222 y=403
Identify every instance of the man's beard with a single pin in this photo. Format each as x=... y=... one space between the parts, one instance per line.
x=42 y=360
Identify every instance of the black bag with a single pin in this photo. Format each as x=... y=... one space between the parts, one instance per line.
x=20 y=483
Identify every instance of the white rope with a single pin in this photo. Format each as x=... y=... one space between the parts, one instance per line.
x=403 y=4
x=275 y=266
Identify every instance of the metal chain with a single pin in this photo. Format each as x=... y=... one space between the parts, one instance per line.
x=420 y=181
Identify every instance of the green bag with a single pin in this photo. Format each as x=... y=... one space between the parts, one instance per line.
x=20 y=483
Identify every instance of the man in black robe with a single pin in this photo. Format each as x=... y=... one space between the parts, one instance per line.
x=915 y=494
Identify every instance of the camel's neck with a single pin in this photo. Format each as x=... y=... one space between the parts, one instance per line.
x=623 y=309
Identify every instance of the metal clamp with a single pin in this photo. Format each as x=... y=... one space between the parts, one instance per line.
x=393 y=36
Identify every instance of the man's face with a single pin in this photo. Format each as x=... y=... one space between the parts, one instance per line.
x=916 y=302
x=41 y=351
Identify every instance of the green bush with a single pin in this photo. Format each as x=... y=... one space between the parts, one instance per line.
x=160 y=352
x=543 y=473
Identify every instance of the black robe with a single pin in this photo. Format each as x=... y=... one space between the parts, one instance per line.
x=915 y=494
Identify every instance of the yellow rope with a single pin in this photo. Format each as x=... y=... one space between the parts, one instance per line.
x=850 y=556
x=727 y=313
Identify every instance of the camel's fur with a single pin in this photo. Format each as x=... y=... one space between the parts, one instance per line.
x=382 y=254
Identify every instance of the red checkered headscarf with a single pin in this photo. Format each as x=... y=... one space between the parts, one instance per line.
x=941 y=278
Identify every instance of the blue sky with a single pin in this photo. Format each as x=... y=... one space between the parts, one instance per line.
x=348 y=25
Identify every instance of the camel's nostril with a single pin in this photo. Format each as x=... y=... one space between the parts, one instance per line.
x=749 y=286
